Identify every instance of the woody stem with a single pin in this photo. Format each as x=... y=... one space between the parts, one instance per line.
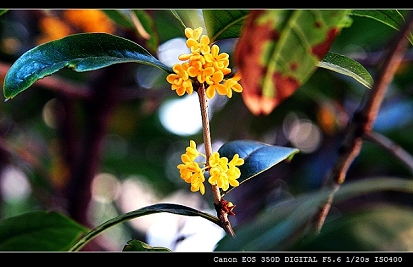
x=222 y=215
x=207 y=137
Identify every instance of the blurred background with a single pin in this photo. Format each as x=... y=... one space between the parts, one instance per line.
x=98 y=144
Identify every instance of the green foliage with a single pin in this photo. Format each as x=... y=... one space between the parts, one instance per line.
x=275 y=228
x=392 y=18
x=39 y=231
x=277 y=52
x=258 y=157
x=79 y=52
x=383 y=227
x=347 y=66
x=162 y=207
x=136 y=245
x=224 y=24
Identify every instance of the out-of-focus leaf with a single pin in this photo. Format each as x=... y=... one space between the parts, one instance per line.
x=189 y=18
x=346 y=66
x=392 y=18
x=157 y=208
x=278 y=50
x=377 y=228
x=279 y=227
x=140 y=21
x=2 y=11
x=178 y=17
x=39 y=231
x=119 y=17
x=258 y=157
x=79 y=52
x=223 y=24
x=136 y=245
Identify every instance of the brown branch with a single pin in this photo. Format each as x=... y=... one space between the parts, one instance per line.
x=220 y=204
x=362 y=122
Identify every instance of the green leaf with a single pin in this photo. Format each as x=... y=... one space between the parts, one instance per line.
x=39 y=231
x=119 y=17
x=223 y=24
x=79 y=52
x=136 y=245
x=139 y=21
x=347 y=66
x=161 y=207
x=189 y=18
x=178 y=18
x=280 y=226
x=258 y=157
x=383 y=228
x=279 y=50
x=392 y=18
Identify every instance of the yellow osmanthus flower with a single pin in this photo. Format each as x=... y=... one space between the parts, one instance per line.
x=204 y=65
x=222 y=172
x=180 y=80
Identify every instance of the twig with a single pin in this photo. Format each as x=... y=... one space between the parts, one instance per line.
x=219 y=202
x=362 y=122
x=392 y=148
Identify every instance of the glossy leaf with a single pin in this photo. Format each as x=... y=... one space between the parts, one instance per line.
x=79 y=52
x=258 y=157
x=223 y=24
x=39 y=231
x=392 y=18
x=278 y=227
x=347 y=66
x=161 y=207
x=136 y=245
x=278 y=51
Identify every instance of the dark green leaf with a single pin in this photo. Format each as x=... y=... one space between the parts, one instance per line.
x=39 y=231
x=392 y=18
x=258 y=157
x=279 y=227
x=80 y=52
x=178 y=18
x=136 y=245
x=223 y=24
x=119 y=17
x=346 y=66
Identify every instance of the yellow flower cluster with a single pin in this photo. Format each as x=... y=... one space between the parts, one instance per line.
x=221 y=172
x=204 y=65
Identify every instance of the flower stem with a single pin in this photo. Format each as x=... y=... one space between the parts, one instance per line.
x=222 y=215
